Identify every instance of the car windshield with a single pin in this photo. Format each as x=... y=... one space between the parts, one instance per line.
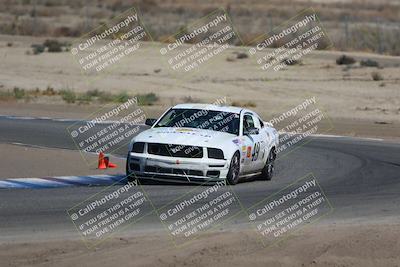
x=201 y=119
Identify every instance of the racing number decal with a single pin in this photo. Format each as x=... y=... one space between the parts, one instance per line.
x=256 y=151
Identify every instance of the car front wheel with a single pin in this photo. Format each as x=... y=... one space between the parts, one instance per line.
x=268 y=170
x=234 y=169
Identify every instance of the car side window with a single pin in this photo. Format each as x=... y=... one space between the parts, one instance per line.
x=261 y=123
x=247 y=122
x=167 y=118
x=256 y=123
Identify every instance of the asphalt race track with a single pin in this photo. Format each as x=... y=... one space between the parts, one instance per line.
x=361 y=179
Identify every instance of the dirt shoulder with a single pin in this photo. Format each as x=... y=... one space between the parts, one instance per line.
x=315 y=245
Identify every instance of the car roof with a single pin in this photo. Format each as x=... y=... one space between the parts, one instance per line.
x=210 y=107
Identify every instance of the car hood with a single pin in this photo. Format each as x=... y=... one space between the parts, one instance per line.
x=185 y=136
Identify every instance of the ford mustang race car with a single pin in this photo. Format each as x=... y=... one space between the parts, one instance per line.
x=201 y=142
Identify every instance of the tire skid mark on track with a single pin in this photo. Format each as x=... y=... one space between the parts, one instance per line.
x=62 y=181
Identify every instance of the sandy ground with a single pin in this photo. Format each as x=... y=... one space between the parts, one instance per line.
x=356 y=105
x=344 y=93
x=314 y=245
x=16 y=162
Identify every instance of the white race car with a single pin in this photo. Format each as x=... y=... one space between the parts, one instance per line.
x=201 y=142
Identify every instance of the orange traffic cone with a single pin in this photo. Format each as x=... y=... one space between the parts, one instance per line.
x=112 y=165
x=102 y=163
x=108 y=163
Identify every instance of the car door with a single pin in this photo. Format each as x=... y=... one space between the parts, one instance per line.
x=254 y=143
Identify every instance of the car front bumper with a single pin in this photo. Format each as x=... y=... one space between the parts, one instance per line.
x=143 y=165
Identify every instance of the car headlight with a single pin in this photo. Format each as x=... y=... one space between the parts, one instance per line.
x=215 y=153
x=138 y=147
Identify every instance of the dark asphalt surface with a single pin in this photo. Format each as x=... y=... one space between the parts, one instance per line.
x=361 y=179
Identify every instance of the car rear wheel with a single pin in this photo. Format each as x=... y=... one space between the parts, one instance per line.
x=268 y=170
x=234 y=169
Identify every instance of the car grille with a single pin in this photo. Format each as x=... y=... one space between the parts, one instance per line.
x=170 y=150
x=173 y=171
x=134 y=167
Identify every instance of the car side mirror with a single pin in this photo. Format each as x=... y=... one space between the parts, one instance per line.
x=251 y=131
x=150 y=122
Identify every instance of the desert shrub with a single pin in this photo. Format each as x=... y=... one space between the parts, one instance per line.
x=93 y=93
x=345 y=60
x=249 y=104
x=189 y=99
x=116 y=5
x=68 y=96
x=63 y=31
x=36 y=92
x=18 y=93
x=241 y=55
x=291 y=61
x=236 y=104
x=49 y=91
x=369 y=63
x=53 y=45
x=147 y=99
x=105 y=97
x=50 y=3
x=84 y=99
x=37 y=48
x=376 y=76
x=121 y=97
x=148 y=5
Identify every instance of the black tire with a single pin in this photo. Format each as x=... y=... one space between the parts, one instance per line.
x=234 y=169
x=129 y=176
x=268 y=170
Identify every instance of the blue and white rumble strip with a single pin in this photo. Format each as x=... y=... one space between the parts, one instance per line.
x=62 y=181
